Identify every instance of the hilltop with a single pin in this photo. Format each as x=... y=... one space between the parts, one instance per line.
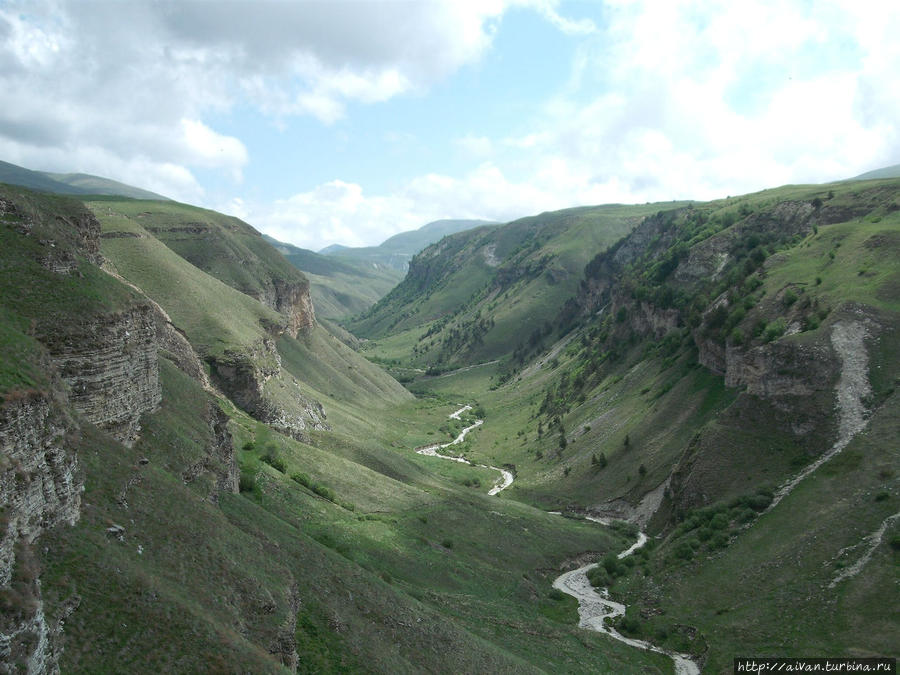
x=71 y=183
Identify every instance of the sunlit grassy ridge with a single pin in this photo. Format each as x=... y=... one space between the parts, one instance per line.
x=223 y=246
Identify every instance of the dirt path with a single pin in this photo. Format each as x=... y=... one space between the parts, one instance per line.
x=506 y=477
x=873 y=540
x=594 y=608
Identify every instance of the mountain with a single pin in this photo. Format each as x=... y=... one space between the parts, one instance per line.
x=396 y=252
x=195 y=476
x=885 y=172
x=339 y=287
x=691 y=405
x=474 y=296
x=70 y=183
x=722 y=375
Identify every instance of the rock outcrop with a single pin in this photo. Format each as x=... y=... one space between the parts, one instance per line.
x=284 y=646
x=75 y=234
x=111 y=367
x=40 y=487
x=290 y=298
x=244 y=376
x=220 y=460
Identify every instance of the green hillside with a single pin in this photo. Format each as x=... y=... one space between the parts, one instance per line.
x=478 y=295
x=196 y=475
x=212 y=541
x=222 y=246
x=710 y=356
x=70 y=183
x=884 y=172
x=396 y=251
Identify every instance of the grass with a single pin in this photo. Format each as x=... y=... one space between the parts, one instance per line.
x=389 y=561
x=215 y=317
x=222 y=246
x=542 y=259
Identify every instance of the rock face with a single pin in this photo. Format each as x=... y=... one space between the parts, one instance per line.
x=243 y=377
x=290 y=298
x=39 y=488
x=111 y=367
x=79 y=235
x=220 y=459
x=284 y=646
x=222 y=451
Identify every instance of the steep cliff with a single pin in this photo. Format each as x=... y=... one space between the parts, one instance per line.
x=40 y=487
x=110 y=365
x=254 y=379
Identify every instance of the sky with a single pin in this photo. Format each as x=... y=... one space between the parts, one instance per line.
x=323 y=122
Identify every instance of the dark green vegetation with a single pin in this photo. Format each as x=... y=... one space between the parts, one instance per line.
x=668 y=364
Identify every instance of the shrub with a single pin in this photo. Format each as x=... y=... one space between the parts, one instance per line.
x=774 y=330
x=247 y=483
x=273 y=460
x=599 y=577
x=324 y=491
x=684 y=551
x=556 y=594
x=301 y=478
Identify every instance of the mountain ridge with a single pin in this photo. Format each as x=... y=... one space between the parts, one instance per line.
x=71 y=183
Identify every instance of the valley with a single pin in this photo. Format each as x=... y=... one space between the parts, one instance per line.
x=619 y=439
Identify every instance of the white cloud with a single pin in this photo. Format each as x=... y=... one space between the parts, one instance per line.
x=700 y=100
x=127 y=84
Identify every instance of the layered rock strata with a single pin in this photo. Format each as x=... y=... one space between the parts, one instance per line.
x=111 y=367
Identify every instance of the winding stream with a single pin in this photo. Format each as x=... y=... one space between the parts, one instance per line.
x=506 y=477
x=595 y=607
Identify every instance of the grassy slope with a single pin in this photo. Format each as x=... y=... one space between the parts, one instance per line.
x=396 y=251
x=35 y=301
x=223 y=246
x=214 y=316
x=767 y=591
x=341 y=288
x=196 y=587
x=518 y=275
